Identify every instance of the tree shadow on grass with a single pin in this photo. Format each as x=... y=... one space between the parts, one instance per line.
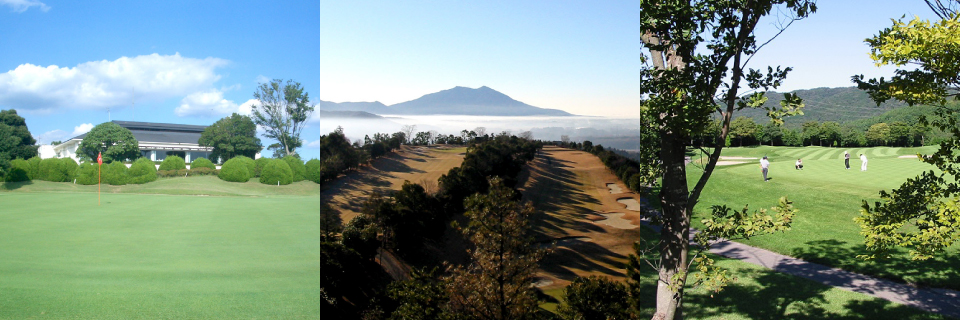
x=15 y=185
x=781 y=296
x=564 y=262
x=556 y=189
x=942 y=271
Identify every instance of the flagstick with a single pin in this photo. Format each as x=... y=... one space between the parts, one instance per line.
x=99 y=166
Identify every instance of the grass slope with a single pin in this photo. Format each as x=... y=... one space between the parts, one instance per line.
x=828 y=197
x=157 y=256
x=571 y=186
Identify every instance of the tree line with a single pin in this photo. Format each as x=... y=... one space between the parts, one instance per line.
x=744 y=131
x=415 y=224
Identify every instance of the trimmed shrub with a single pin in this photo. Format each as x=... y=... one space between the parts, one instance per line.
x=260 y=163
x=250 y=163
x=115 y=173
x=34 y=169
x=297 y=167
x=50 y=170
x=183 y=173
x=19 y=171
x=234 y=170
x=87 y=173
x=202 y=171
x=313 y=168
x=202 y=163
x=168 y=173
x=173 y=163
x=276 y=171
x=142 y=171
x=69 y=168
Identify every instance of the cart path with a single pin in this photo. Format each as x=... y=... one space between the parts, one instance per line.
x=941 y=301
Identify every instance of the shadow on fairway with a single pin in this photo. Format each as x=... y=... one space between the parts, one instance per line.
x=15 y=185
x=942 y=271
x=780 y=296
x=556 y=188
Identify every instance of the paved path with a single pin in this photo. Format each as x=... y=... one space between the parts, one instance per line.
x=942 y=301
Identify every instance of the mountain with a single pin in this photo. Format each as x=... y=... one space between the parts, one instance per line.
x=843 y=104
x=482 y=101
x=372 y=108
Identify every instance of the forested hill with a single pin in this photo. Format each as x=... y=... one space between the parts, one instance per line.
x=827 y=104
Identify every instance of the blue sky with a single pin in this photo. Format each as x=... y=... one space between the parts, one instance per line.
x=64 y=63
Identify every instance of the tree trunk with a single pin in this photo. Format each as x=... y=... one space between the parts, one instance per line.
x=674 y=237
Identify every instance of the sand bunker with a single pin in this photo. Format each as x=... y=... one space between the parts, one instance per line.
x=564 y=242
x=909 y=156
x=614 y=188
x=616 y=220
x=540 y=283
x=729 y=163
x=631 y=204
x=736 y=158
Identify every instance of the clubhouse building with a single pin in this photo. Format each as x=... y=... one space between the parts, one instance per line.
x=156 y=140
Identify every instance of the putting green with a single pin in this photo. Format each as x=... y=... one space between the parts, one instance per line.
x=158 y=256
x=828 y=198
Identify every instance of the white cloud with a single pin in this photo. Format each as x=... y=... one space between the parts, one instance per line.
x=82 y=128
x=50 y=136
x=211 y=103
x=101 y=84
x=247 y=107
x=262 y=79
x=206 y=103
x=19 y=6
x=314 y=144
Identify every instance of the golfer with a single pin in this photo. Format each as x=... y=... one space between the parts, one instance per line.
x=846 y=159
x=764 y=165
x=863 y=162
x=799 y=164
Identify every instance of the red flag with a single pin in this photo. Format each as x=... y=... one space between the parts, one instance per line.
x=99 y=158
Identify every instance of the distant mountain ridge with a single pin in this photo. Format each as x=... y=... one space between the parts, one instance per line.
x=482 y=101
x=842 y=105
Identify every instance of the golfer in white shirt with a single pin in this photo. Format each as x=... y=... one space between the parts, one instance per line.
x=764 y=165
x=863 y=162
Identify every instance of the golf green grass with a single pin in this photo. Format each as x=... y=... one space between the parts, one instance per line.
x=828 y=198
x=153 y=256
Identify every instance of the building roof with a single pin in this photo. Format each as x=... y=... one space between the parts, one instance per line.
x=160 y=132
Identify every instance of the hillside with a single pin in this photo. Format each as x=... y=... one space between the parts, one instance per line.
x=482 y=101
x=827 y=104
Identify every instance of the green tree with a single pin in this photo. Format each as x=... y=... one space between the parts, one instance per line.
x=115 y=142
x=496 y=282
x=232 y=136
x=16 y=142
x=594 y=298
x=878 y=134
x=772 y=133
x=282 y=111
x=743 y=128
x=697 y=63
x=811 y=133
x=923 y=214
x=900 y=134
x=830 y=133
x=851 y=137
x=25 y=147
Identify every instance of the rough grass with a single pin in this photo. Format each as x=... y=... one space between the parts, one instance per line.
x=572 y=185
x=828 y=197
x=139 y=256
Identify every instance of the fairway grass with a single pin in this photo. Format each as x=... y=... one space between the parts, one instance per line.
x=139 y=256
x=828 y=198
